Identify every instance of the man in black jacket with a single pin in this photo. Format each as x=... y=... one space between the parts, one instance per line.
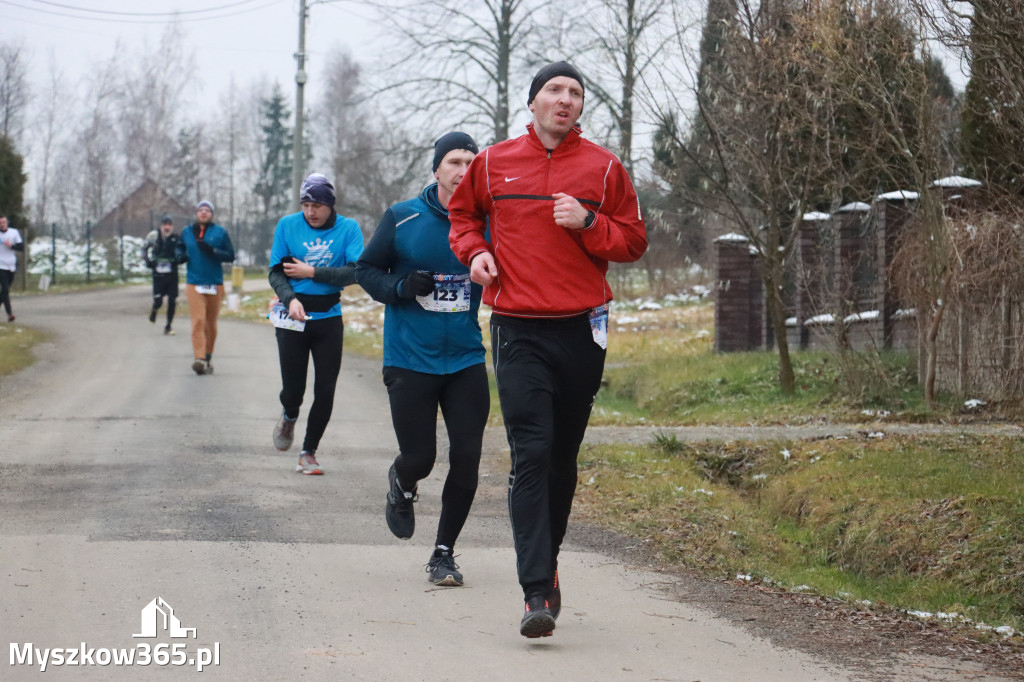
x=163 y=253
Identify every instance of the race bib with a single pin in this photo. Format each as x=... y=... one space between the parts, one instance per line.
x=451 y=294
x=599 y=325
x=206 y=289
x=279 y=318
x=163 y=267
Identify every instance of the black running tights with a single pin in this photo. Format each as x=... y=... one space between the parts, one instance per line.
x=464 y=400
x=322 y=339
x=6 y=278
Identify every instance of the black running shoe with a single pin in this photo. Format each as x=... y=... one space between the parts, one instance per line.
x=555 y=599
x=152 y=315
x=399 y=513
x=442 y=569
x=537 y=620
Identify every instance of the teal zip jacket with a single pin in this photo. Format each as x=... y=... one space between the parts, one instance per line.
x=203 y=267
x=413 y=235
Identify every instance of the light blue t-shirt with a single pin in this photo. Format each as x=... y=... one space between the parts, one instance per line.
x=326 y=247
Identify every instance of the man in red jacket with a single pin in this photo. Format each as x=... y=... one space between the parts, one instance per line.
x=559 y=209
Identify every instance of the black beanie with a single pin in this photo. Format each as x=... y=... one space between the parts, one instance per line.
x=553 y=70
x=450 y=141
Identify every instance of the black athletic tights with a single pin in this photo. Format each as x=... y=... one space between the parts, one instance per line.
x=464 y=400
x=6 y=278
x=321 y=339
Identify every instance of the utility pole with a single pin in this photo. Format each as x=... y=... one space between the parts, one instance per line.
x=300 y=81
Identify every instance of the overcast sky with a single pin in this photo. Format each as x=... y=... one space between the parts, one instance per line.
x=246 y=38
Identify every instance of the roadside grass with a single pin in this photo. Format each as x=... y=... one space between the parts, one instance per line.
x=364 y=319
x=16 y=343
x=662 y=369
x=930 y=524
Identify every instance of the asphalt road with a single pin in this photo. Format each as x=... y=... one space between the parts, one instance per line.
x=124 y=478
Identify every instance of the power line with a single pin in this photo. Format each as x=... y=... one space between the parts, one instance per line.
x=144 y=14
x=168 y=17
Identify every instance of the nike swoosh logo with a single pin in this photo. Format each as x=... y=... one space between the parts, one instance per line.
x=508 y=179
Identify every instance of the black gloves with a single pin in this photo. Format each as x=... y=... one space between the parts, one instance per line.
x=416 y=283
x=204 y=247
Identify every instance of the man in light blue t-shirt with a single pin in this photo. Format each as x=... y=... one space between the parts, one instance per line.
x=312 y=259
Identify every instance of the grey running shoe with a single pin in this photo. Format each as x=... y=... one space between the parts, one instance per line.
x=399 y=513
x=537 y=620
x=209 y=367
x=168 y=331
x=442 y=569
x=199 y=366
x=308 y=465
x=284 y=432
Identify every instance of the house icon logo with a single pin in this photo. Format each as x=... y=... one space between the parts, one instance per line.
x=159 y=615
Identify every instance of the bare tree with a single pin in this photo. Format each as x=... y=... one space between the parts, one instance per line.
x=50 y=123
x=149 y=104
x=14 y=90
x=459 y=58
x=625 y=43
x=373 y=162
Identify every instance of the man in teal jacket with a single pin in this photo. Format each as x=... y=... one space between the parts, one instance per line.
x=207 y=246
x=433 y=353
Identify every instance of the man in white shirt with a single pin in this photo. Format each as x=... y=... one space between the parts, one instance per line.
x=10 y=244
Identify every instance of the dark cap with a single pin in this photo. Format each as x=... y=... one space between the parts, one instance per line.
x=450 y=142
x=166 y=220
x=317 y=189
x=553 y=70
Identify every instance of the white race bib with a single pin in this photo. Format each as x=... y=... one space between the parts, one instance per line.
x=279 y=318
x=451 y=294
x=206 y=289
x=599 y=325
x=163 y=267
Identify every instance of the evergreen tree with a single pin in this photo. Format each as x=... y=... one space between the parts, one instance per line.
x=273 y=186
x=12 y=183
x=991 y=140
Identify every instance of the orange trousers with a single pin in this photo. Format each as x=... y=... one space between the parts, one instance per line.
x=203 y=310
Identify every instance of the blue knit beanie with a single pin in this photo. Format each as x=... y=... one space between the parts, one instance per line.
x=318 y=189
x=206 y=203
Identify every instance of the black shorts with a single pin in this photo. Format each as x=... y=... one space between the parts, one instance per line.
x=165 y=285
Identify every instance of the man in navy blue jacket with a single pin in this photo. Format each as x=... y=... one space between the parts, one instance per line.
x=433 y=353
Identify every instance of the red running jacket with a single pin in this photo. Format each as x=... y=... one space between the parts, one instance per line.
x=545 y=270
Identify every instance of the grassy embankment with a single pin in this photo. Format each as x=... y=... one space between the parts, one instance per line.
x=924 y=523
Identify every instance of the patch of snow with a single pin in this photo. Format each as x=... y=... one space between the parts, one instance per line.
x=957 y=181
x=732 y=237
x=863 y=316
x=649 y=305
x=974 y=403
x=899 y=195
x=790 y=321
x=827 y=318
x=904 y=313
x=785 y=455
x=876 y=434
x=815 y=216
x=854 y=207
